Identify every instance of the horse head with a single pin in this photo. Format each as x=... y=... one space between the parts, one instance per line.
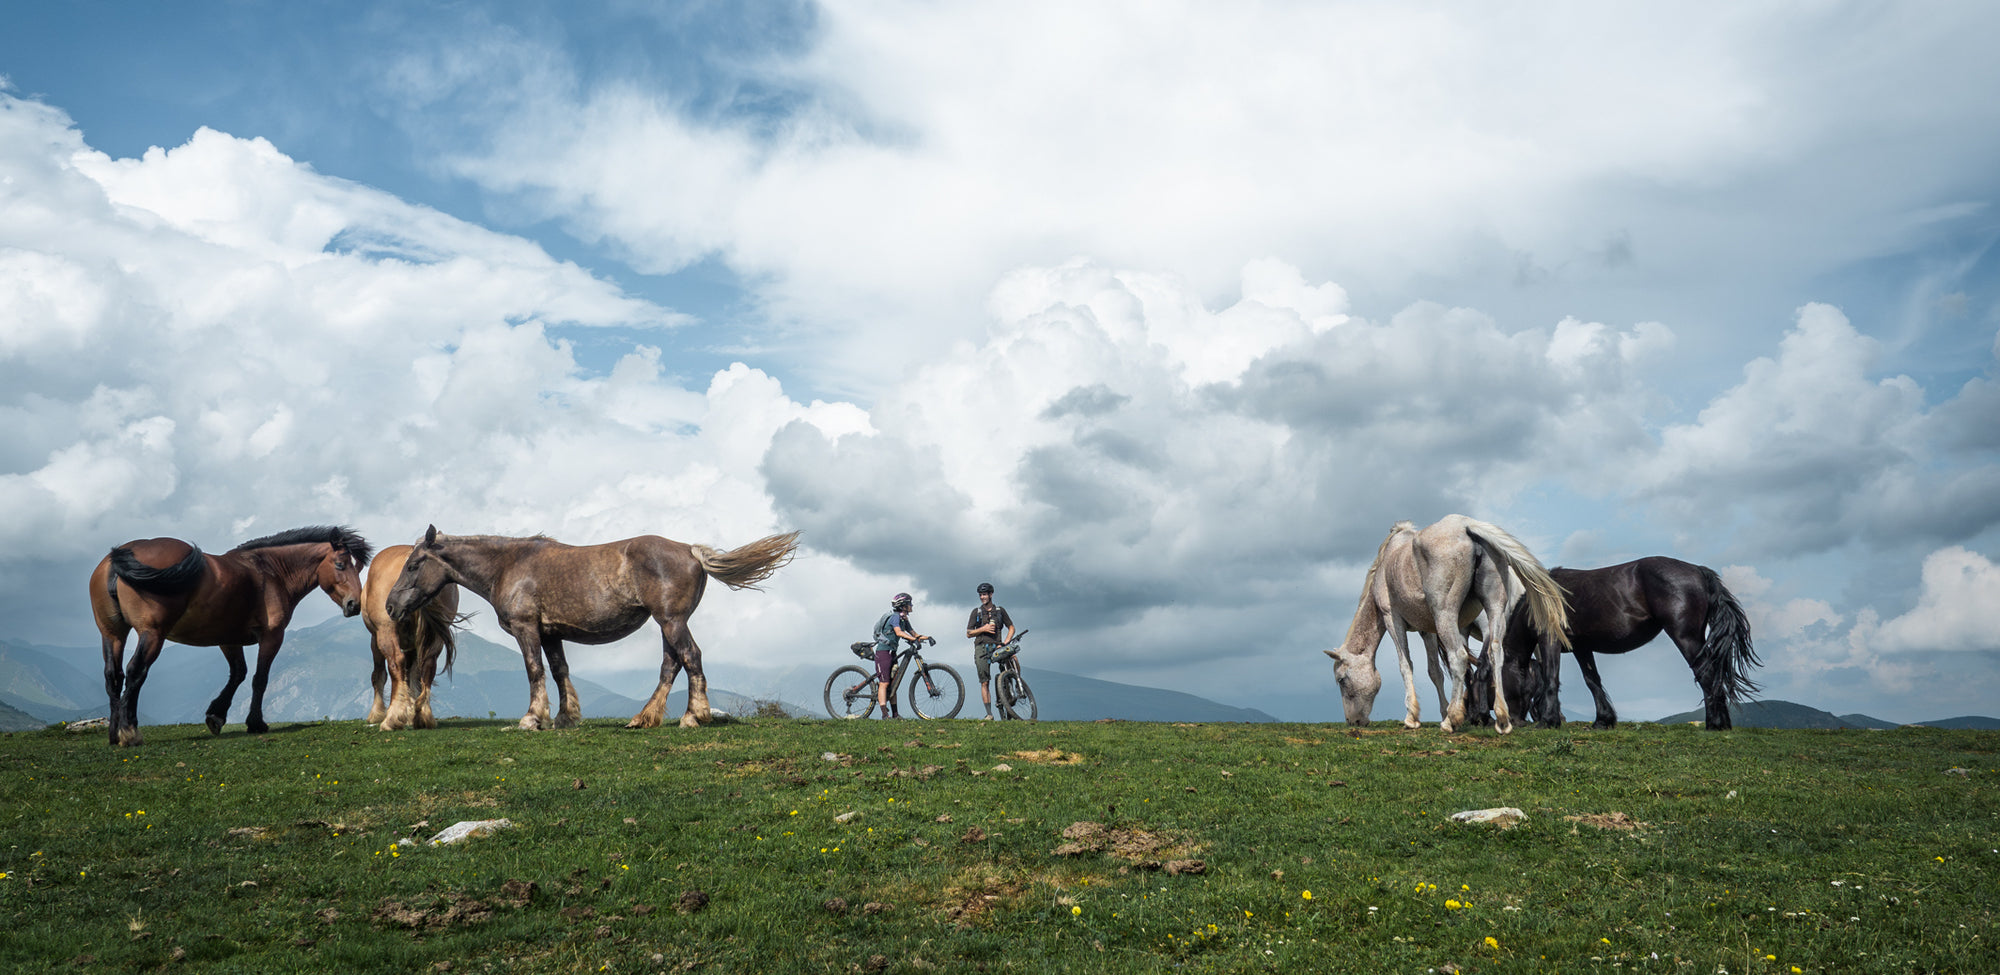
x=1359 y=682
x=340 y=571
x=424 y=575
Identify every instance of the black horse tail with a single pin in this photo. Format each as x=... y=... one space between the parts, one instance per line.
x=1726 y=656
x=172 y=580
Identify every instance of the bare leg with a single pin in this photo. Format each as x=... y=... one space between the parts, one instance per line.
x=218 y=709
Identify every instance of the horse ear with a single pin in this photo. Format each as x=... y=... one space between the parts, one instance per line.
x=1331 y=653
x=431 y=535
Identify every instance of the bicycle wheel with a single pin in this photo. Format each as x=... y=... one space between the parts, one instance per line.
x=1016 y=700
x=850 y=692
x=936 y=692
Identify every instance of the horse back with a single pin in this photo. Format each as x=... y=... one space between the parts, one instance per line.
x=170 y=586
x=600 y=593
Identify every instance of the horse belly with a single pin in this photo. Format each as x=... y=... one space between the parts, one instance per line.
x=596 y=628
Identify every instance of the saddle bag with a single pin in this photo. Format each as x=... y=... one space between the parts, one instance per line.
x=865 y=651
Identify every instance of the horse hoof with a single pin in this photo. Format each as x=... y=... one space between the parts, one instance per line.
x=255 y=729
x=1412 y=724
x=214 y=722
x=130 y=737
x=530 y=723
x=690 y=721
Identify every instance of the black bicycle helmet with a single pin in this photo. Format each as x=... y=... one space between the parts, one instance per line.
x=902 y=601
x=986 y=589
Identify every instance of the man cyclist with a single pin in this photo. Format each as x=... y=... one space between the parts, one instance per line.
x=983 y=628
x=894 y=625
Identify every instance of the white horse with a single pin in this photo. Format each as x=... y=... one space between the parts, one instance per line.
x=1438 y=582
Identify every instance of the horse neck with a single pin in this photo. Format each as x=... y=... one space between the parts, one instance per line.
x=294 y=567
x=477 y=561
x=1364 y=634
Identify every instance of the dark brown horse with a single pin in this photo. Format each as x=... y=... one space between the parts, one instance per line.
x=544 y=592
x=1619 y=609
x=168 y=589
x=406 y=652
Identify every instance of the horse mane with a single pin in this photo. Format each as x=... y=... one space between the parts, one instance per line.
x=1362 y=606
x=338 y=536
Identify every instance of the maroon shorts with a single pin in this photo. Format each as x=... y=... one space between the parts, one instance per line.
x=885 y=665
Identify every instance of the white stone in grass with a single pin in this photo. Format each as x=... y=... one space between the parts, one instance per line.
x=470 y=829
x=846 y=817
x=1498 y=816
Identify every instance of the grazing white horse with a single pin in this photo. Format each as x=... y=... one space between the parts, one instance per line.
x=1438 y=582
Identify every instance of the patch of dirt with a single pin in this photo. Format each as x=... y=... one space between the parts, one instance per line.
x=1610 y=820
x=976 y=891
x=1141 y=848
x=1050 y=756
x=444 y=911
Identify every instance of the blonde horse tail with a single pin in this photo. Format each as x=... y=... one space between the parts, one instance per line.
x=1548 y=605
x=745 y=566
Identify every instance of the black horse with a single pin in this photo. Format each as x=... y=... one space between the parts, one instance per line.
x=1618 y=609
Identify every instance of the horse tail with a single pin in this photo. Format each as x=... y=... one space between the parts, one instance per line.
x=172 y=580
x=745 y=566
x=1548 y=606
x=1726 y=655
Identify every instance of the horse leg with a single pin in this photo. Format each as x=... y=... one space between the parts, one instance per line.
x=1412 y=711
x=569 y=713
x=1547 y=699
x=218 y=709
x=1714 y=696
x=655 y=711
x=267 y=651
x=143 y=656
x=698 y=712
x=402 y=710
x=423 y=676
x=114 y=681
x=1434 y=660
x=537 y=718
x=377 y=708
x=1607 y=716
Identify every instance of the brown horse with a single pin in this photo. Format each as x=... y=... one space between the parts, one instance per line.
x=544 y=592
x=168 y=589
x=407 y=651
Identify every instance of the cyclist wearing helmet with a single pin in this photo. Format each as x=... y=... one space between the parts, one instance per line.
x=983 y=628
x=894 y=625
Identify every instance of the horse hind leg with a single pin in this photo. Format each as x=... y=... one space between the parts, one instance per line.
x=125 y=715
x=1607 y=716
x=114 y=683
x=217 y=714
x=677 y=651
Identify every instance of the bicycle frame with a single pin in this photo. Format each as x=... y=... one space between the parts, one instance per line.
x=912 y=650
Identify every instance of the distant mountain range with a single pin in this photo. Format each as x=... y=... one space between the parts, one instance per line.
x=1785 y=714
x=323 y=671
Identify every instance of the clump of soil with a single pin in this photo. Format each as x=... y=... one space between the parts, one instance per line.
x=1144 y=849
x=1610 y=820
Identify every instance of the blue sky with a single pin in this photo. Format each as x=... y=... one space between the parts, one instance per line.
x=1012 y=291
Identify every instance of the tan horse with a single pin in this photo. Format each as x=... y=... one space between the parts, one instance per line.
x=1438 y=582
x=545 y=592
x=406 y=652
x=168 y=589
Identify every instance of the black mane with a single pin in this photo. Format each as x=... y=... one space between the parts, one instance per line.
x=338 y=536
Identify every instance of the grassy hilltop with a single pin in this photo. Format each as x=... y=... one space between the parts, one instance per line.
x=1221 y=847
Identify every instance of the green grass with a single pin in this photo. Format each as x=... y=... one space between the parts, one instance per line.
x=1762 y=851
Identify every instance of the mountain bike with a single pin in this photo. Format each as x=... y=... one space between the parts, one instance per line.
x=1011 y=692
x=935 y=692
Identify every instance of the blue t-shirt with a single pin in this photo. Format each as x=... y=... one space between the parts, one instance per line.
x=885 y=631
